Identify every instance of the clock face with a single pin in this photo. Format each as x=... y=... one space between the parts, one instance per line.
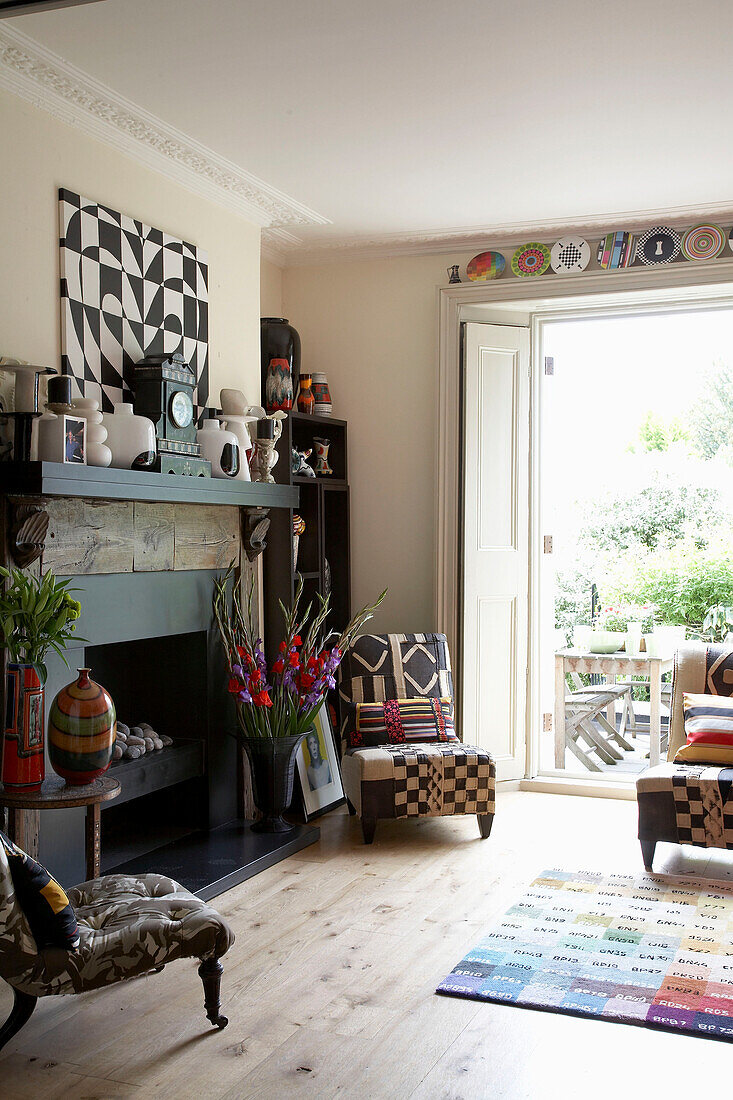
x=181 y=409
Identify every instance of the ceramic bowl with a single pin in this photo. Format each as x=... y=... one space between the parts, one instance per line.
x=606 y=641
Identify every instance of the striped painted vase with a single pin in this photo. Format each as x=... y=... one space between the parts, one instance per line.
x=81 y=731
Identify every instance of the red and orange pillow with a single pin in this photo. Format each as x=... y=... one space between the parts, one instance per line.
x=709 y=729
x=401 y=722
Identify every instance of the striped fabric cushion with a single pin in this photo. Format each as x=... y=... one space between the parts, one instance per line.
x=399 y=721
x=709 y=729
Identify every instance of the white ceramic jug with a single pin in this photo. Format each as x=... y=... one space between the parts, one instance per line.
x=130 y=438
x=221 y=448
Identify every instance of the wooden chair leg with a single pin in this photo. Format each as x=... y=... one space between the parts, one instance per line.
x=485 y=821
x=210 y=973
x=368 y=828
x=20 y=1014
x=647 y=852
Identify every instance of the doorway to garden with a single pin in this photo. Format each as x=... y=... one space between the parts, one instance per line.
x=634 y=526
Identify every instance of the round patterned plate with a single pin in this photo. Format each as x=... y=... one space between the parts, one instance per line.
x=659 y=245
x=487 y=265
x=531 y=259
x=703 y=242
x=569 y=255
x=615 y=250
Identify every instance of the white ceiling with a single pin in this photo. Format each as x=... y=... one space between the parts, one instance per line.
x=390 y=117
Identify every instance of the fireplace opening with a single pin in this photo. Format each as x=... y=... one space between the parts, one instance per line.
x=162 y=683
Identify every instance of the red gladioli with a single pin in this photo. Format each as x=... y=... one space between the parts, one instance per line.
x=282 y=647
x=305 y=680
x=262 y=699
x=297 y=640
x=234 y=685
x=294 y=660
x=241 y=651
x=255 y=676
x=278 y=666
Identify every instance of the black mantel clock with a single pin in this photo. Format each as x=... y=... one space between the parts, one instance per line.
x=163 y=391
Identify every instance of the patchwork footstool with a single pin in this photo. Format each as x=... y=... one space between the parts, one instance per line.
x=405 y=777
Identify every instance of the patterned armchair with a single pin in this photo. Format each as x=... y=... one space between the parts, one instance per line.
x=408 y=780
x=128 y=927
x=689 y=803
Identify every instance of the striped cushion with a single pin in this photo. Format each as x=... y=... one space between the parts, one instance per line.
x=709 y=729
x=397 y=721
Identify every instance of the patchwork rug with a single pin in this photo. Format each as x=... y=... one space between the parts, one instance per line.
x=645 y=949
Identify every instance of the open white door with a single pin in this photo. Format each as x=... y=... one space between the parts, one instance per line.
x=496 y=542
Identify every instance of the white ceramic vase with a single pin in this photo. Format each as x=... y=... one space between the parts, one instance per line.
x=98 y=453
x=237 y=415
x=130 y=438
x=221 y=448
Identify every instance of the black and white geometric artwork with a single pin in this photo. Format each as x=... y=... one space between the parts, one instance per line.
x=127 y=291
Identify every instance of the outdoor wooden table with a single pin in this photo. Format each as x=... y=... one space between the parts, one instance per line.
x=611 y=665
x=55 y=794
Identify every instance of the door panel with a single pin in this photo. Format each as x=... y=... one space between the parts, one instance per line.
x=496 y=542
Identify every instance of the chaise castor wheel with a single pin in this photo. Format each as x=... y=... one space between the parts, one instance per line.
x=219 y=1021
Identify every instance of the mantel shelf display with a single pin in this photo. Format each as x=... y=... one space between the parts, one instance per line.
x=61 y=479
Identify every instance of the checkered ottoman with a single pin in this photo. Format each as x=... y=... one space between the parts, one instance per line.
x=438 y=779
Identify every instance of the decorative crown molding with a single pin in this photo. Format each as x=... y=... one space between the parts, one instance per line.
x=296 y=253
x=49 y=82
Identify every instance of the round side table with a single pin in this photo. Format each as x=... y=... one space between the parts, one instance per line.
x=55 y=794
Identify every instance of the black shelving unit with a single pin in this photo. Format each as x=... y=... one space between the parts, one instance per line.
x=324 y=505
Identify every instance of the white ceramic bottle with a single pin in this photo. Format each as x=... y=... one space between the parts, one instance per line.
x=221 y=448
x=130 y=438
x=237 y=415
x=98 y=453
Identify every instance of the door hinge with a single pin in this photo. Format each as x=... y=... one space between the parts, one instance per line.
x=549 y=364
x=546 y=722
x=547 y=544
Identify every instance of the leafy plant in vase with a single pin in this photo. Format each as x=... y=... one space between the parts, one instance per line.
x=36 y=615
x=276 y=706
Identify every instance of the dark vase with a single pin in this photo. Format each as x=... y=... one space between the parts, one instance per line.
x=272 y=766
x=280 y=352
x=23 y=760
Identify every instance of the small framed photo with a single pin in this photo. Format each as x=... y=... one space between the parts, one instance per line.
x=75 y=440
x=318 y=768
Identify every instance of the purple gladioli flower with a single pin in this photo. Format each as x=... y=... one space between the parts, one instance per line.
x=237 y=670
x=244 y=696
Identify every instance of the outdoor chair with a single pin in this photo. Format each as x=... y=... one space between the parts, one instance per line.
x=127 y=926
x=408 y=779
x=689 y=803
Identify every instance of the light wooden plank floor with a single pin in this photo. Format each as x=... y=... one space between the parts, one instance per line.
x=329 y=987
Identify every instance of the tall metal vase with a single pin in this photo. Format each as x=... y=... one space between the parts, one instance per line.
x=23 y=763
x=272 y=766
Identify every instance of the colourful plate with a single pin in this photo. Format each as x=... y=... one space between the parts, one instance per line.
x=659 y=245
x=615 y=250
x=569 y=255
x=487 y=265
x=531 y=259
x=703 y=242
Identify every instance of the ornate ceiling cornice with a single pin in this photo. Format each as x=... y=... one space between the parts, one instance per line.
x=52 y=84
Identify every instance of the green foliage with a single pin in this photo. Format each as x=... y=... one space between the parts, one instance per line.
x=718 y=622
x=572 y=600
x=684 y=583
x=36 y=614
x=655 y=517
x=656 y=434
x=711 y=417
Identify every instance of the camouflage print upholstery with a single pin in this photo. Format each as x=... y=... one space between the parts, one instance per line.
x=128 y=926
x=408 y=780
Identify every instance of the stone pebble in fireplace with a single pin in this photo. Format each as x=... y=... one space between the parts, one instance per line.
x=133 y=742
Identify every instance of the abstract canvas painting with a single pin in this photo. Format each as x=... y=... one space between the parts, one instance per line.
x=127 y=291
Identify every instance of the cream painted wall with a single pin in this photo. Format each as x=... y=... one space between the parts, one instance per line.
x=372 y=326
x=43 y=154
x=271 y=289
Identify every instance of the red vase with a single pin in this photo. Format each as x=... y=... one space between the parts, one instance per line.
x=81 y=731
x=305 y=395
x=23 y=767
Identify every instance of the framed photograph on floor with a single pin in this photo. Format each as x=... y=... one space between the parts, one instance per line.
x=318 y=768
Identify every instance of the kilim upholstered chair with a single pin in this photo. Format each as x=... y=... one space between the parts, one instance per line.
x=689 y=803
x=127 y=926
x=408 y=779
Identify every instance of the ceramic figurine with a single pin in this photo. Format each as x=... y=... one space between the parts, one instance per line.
x=306 y=399
x=299 y=466
x=98 y=453
x=81 y=731
x=221 y=448
x=237 y=415
x=453 y=276
x=265 y=456
x=322 y=467
x=321 y=396
x=130 y=438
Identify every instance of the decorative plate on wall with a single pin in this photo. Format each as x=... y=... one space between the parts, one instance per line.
x=531 y=259
x=487 y=265
x=569 y=255
x=615 y=250
x=659 y=245
x=703 y=242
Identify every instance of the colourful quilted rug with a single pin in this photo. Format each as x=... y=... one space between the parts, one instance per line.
x=647 y=949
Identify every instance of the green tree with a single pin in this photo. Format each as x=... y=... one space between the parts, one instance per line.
x=655 y=517
x=711 y=417
x=656 y=434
